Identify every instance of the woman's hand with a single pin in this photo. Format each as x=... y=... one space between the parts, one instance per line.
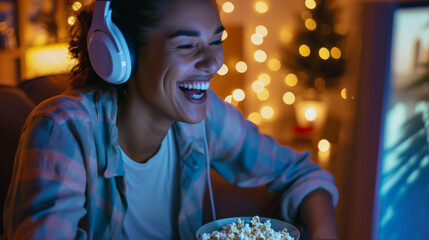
x=318 y=216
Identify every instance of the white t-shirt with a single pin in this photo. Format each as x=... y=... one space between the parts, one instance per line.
x=153 y=194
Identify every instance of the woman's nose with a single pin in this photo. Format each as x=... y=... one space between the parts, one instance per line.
x=209 y=60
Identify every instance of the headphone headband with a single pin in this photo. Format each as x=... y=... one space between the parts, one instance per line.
x=108 y=49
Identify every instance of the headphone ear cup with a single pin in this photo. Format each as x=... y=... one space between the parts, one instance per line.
x=108 y=49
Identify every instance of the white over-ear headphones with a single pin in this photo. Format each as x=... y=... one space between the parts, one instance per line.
x=108 y=50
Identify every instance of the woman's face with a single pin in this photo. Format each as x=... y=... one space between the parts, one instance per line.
x=183 y=54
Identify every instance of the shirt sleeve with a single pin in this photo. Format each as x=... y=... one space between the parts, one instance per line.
x=247 y=158
x=46 y=195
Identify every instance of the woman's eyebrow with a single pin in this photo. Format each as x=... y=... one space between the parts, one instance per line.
x=190 y=33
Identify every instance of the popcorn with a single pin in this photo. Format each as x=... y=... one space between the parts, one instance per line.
x=242 y=231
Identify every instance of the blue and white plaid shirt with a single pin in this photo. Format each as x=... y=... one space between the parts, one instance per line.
x=68 y=179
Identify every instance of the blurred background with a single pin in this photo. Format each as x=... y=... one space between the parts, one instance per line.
x=347 y=80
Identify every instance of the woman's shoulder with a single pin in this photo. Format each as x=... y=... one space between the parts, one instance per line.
x=72 y=104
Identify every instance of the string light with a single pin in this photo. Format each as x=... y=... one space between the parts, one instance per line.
x=267 y=112
x=310 y=4
x=344 y=93
x=255 y=117
x=274 y=64
x=228 y=99
x=261 y=7
x=264 y=95
x=335 y=52
x=261 y=30
x=258 y=86
x=289 y=98
x=223 y=70
x=260 y=56
x=238 y=95
x=324 y=53
x=228 y=7
x=310 y=24
x=71 y=20
x=241 y=67
x=304 y=50
x=310 y=114
x=256 y=39
x=291 y=79
x=224 y=35
x=265 y=78
x=324 y=145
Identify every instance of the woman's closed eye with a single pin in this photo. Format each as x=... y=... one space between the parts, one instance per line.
x=216 y=42
x=186 y=46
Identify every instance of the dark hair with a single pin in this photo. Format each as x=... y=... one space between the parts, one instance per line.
x=133 y=17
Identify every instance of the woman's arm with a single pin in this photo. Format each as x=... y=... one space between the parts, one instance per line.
x=318 y=216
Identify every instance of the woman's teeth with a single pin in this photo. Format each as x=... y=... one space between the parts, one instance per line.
x=194 y=90
x=197 y=86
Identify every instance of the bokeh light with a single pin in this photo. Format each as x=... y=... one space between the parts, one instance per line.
x=344 y=93
x=256 y=39
x=289 y=98
x=274 y=64
x=258 y=86
x=261 y=30
x=228 y=99
x=260 y=56
x=223 y=70
x=304 y=50
x=324 y=145
x=224 y=35
x=324 y=53
x=310 y=114
x=261 y=7
x=71 y=20
x=265 y=78
x=335 y=52
x=238 y=95
x=228 y=7
x=241 y=67
x=310 y=24
x=255 y=117
x=267 y=112
x=310 y=4
x=77 y=6
x=264 y=95
x=291 y=79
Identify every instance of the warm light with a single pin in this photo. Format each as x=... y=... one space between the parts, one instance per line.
x=340 y=29
x=260 y=56
x=289 y=98
x=324 y=53
x=228 y=7
x=224 y=35
x=324 y=145
x=285 y=35
x=241 y=67
x=291 y=79
x=344 y=93
x=256 y=39
x=261 y=30
x=48 y=60
x=265 y=78
x=310 y=114
x=335 y=52
x=310 y=4
x=228 y=99
x=319 y=83
x=264 y=95
x=258 y=86
x=71 y=20
x=306 y=15
x=274 y=64
x=304 y=50
x=223 y=70
x=255 y=117
x=310 y=24
x=261 y=7
x=238 y=95
x=76 y=6
x=267 y=112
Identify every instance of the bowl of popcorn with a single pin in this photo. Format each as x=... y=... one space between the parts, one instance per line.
x=248 y=228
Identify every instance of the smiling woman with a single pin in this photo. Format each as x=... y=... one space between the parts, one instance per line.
x=126 y=151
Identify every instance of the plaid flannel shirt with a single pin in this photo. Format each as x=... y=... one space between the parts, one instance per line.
x=68 y=178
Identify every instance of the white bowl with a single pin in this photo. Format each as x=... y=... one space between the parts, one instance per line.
x=276 y=225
